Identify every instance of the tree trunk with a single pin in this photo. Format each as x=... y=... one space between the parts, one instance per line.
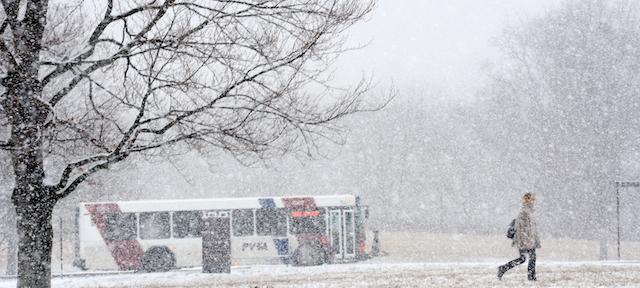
x=35 y=237
x=33 y=201
x=34 y=204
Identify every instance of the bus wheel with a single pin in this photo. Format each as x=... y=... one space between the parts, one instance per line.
x=308 y=255
x=158 y=258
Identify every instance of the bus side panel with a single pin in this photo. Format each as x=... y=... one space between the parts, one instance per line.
x=188 y=252
x=124 y=250
x=92 y=248
x=97 y=256
x=259 y=250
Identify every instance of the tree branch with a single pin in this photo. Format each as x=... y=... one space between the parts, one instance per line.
x=102 y=63
x=227 y=79
x=65 y=191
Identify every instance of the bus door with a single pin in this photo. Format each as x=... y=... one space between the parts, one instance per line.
x=342 y=233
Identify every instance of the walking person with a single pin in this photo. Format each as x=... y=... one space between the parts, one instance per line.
x=526 y=239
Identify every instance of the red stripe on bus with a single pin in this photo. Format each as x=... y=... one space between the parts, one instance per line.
x=305 y=213
x=126 y=253
x=306 y=206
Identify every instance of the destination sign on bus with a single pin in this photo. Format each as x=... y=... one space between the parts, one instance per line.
x=305 y=213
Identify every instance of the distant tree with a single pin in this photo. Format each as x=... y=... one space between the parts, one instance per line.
x=428 y=173
x=86 y=84
x=562 y=107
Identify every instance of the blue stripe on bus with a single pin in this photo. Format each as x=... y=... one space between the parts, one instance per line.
x=281 y=244
x=267 y=203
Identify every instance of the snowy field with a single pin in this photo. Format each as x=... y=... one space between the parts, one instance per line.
x=423 y=247
x=376 y=273
x=414 y=260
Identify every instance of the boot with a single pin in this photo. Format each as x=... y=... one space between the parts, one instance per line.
x=532 y=278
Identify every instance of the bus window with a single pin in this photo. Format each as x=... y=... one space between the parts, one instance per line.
x=271 y=222
x=242 y=222
x=300 y=223
x=154 y=225
x=187 y=224
x=121 y=226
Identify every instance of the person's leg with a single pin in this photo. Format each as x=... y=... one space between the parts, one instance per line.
x=531 y=269
x=513 y=263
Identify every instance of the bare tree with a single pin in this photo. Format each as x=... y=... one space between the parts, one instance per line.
x=562 y=109
x=86 y=85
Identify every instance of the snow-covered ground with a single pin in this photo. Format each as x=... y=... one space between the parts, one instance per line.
x=414 y=260
x=438 y=247
x=375 y=273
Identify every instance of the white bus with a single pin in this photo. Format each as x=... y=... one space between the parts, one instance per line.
x=155 y=235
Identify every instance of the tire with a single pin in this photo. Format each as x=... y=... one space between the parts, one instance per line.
x=309 y=255
x=158 y=259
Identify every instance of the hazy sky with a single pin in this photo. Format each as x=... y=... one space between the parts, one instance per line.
x=422 y=43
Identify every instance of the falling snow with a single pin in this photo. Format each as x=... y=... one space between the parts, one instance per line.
x=347 y=143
